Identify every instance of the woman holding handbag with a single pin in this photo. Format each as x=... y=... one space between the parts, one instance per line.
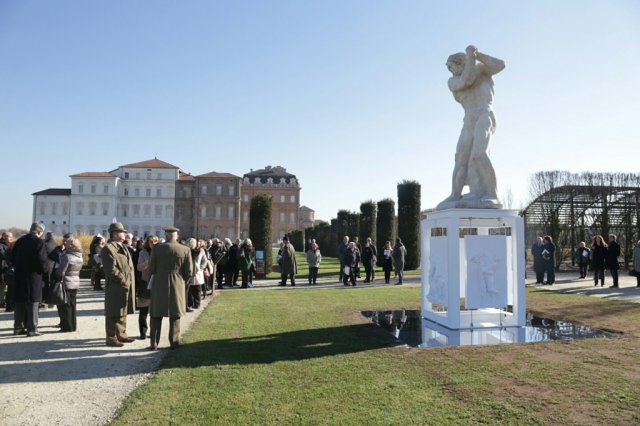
x=70 y=266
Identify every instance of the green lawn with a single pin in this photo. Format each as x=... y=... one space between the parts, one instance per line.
x=329 y=267
x=304 y=356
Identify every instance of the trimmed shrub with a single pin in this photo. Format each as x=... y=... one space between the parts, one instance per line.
x=409 y=221
x=260 y=226
x=368 y=217
x=385 y=225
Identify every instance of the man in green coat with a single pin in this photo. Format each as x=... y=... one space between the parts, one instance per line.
x=118 y=288
x=171 y=267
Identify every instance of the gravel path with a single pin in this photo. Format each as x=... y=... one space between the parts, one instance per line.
x=73 y=378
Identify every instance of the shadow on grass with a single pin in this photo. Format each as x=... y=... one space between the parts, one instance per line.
x=289 y=346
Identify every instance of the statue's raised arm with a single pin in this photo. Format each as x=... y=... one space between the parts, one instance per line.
x=472 y=86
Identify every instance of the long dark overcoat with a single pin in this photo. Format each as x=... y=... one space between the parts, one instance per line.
x=29 y=258
x=171 y=267
x=119 y=279
x=289 y=265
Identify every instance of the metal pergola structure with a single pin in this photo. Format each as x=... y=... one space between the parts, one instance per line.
x=574 y=213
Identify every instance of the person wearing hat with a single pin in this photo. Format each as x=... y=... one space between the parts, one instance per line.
x=288 y=265
x=171 y=267
x=29 y=258
x=119 y=279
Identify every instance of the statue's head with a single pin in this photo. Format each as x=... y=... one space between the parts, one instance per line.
x=455 y=63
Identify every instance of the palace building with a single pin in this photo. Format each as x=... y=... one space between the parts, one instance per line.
x=149 y=195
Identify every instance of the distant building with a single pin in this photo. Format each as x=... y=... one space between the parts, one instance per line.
x=208 y=205
x=51 y=207
x=307 y=217
x=284 y=190
x=149 y=195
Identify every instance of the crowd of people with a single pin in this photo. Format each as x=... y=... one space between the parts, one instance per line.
x=351 y=253
x=160 y=278
x=597 y=258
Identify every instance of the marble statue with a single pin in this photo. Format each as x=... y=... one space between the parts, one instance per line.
x=472 y=86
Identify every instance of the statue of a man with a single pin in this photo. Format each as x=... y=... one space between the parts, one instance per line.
x=472 y=86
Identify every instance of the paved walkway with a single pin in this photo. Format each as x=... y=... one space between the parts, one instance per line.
x=568 y=282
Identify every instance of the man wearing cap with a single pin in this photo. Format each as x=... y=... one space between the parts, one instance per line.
x=119 y=278
x=30 y=261
x=171 y=267
x=288 y=265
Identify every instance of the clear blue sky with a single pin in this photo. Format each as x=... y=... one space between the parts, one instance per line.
x=351 y=96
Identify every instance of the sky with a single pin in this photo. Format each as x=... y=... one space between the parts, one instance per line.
x=350 y=96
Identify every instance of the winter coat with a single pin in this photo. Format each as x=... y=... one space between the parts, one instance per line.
x=549 y=253
x=29 y=259
x=119 y=280
x=611 y=259
x=398 y=254
x=369 y=254
x=538 y=261
x=143 y=267
x=70 y=266
x=171 y=266
x=314 y=258
x=288 y=263
x=245 y=261
x=199 y=258
x=387 y=260
x=598 y=256
x=581 y=259
x=636 y=257
x=350 y=257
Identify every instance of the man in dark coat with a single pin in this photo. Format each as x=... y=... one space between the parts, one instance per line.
x=29 y=259
x=538 y=261
x=119 y=280
x=171 y=266
x=549 y=256
x=398 y=254
x=369 y=257
x=5 y=265
x=612 y=259
x=288 y=265
x=341 y=249
x=233 y=267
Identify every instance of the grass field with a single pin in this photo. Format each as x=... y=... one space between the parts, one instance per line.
x=306 y=357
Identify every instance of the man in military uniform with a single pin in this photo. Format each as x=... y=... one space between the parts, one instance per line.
x=171 y=267
x=118 y=287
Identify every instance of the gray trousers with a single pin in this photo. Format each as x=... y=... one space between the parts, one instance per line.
x=156 y=329
x=25 y=316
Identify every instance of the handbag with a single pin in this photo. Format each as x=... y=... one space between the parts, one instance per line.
x=57 y=295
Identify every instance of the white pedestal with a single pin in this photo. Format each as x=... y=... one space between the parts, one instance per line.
x=473 y=268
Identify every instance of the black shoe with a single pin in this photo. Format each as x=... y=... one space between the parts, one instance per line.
x=19 y=332
x=33 y=334
x=189 y=310
x=143 y=337
x=281 y=285
x=293 y=285
x=613 y=286
x=175 y=345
